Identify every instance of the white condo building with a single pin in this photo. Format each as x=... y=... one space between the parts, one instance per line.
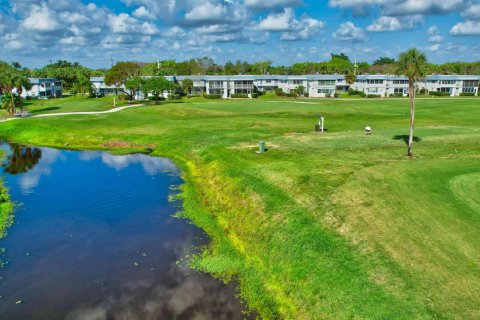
x=317 y=86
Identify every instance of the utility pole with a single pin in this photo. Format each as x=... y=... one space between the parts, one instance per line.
x=355 y=66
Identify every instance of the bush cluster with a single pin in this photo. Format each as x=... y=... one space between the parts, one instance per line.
x=212 y=96
x=255 y=95
x=174 y=96
x=439 y=94
x=467 y=94
x=373 y=96
x=239 y=96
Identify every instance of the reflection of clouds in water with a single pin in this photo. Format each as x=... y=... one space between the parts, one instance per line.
x=195 y=297
x=151 y=165
x=187 y=295
x=31 y=179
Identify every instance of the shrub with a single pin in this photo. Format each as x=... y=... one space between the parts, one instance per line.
x=279 y=92
x=422 y=91
x=373 y=96
x=306 y=95
x=159 y=98
x=255 y=95
x=291 y=95
x=122 y=97
x=439 y=94
x=336 y=95
x=362 y=94
x=212 y=96
x=194 y=95
x=239 y=96
x=174 y=96
x=467 y=94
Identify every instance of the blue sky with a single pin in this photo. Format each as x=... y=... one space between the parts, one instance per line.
x=284 y=31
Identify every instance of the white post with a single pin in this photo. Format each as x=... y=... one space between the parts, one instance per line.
x=323 y=122
x=114 y=102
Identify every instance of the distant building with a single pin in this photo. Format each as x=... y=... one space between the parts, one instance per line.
x=44 y=88
x=316 y=86
x=100 y=89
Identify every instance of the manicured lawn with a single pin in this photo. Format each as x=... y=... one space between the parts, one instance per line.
x=323 y=226
x=69 y=104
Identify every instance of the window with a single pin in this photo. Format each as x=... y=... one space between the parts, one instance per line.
x=374 y=81
x=373 y=90
x=326 y=82
x=471 y=83
x=445 y=90
x=399 y=91
x=469 y=90
x=325 y=91
x=296 y=82
x=400 y=81
x=447 y=81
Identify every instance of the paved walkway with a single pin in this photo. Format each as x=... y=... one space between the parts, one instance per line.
x=117 y=109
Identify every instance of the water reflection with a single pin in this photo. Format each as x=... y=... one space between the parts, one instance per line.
x=21 y=159
x=95 y=239
x=151 y=165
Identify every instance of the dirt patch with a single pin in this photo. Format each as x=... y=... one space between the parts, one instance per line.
x=125 y=144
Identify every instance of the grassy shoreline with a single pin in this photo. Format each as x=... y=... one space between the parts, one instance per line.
x=6 y=207
x=299 y=227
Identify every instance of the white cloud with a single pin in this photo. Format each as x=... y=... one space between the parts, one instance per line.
x=434 y=48
x=125 y=24
x=292 y=28
x=207 y=11
x=433 y=30
x=143 y=13
x=41 y=19
x=262 y=4
x=277 y=21
x=472 y=12
x=388 y=23
x=435 y=38
x=349 y=32
x=403 y=7
x=467 y=28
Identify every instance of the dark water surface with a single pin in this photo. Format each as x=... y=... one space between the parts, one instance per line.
x=95 y=239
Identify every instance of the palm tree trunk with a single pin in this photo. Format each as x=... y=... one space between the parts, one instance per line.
x=412 y=119
x=13 y=102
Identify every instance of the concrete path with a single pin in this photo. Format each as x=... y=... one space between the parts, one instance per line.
x=117 y=109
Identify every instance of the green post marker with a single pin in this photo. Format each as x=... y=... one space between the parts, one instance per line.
x=261 y=147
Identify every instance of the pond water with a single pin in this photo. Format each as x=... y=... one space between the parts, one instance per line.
x=94 y=238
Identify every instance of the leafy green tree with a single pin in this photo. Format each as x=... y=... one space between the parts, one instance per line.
x=350 y=78
x=133 y=85
x=262 y=67
x=342 y=56
x=156 y=86
x=412 y=64
x=121 y=72
x=383 y=60
x=12 y=79
x=187 y=85
x=301 y=90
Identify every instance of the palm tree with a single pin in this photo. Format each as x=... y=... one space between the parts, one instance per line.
x=412 y=64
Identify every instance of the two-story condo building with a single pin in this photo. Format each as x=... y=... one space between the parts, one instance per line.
x=44 y=88
x=316 y=86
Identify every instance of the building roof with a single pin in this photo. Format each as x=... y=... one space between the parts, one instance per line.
x=42 y=80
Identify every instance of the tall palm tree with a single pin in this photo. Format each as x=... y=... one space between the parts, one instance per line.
x=412 y=64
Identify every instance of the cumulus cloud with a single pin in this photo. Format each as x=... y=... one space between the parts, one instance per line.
x=467 y=28
x=124 y=23
x=41 y=19
x=143 y=13
x=206 y=11
x=349 y=32
x=389 y=23
x=292 y=28
x=402 y=7
x=262 y=4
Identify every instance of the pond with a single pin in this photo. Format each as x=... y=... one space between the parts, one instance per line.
x=94 y=238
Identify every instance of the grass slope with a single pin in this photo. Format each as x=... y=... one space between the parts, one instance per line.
x=6 y=207
x=323 y=226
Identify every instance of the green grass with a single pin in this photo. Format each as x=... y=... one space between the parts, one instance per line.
x=323 y=226
x=69 y=104
x=6 y=208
